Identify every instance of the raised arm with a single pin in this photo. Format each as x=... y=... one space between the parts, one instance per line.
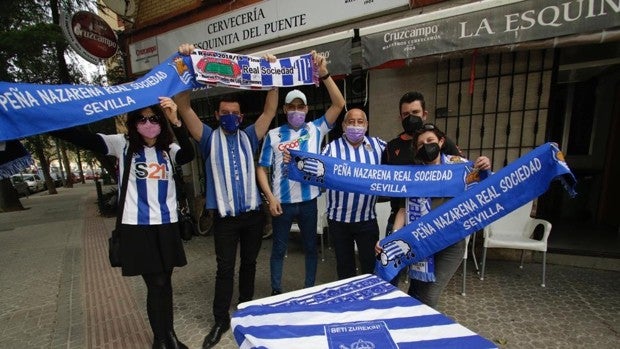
x=191 y=120
x=335 y=95
x=270 y=108
x=269 y=111
x=186 y=153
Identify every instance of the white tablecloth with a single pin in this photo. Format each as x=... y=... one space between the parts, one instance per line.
x=363 y=312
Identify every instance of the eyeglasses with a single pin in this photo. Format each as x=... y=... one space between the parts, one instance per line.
x=153 y=119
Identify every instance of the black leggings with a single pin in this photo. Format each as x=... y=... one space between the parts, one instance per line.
x=159 y=302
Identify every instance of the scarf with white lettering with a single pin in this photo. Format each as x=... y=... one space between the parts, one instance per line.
x=29 y=109
x=247 y=72
x=223 y=175
x=516 y=184
x=13 y=158
x=445 y=180
x=415 y=208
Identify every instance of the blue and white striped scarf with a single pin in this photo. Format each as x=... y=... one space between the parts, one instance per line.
x=423 y=270
x=220 y=160
x=247 y=72
x=416 y=208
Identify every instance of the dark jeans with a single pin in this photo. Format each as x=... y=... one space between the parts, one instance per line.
x=306 y=215
x=447 y=261
x=245 y=230
x=345 y=236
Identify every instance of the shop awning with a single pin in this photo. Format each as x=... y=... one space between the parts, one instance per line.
x=483 y=24
x=335 y=47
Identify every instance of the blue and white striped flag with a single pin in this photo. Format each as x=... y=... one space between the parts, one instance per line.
x=359 y=312
x=247 y=72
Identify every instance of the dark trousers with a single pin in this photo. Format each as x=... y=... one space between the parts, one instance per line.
x=245 y=230
x=344 y=237
x=447 y=261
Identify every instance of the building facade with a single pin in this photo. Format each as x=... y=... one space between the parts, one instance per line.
x=499 y=76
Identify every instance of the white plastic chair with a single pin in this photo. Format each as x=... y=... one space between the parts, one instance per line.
x=471 y=237
x=383 y=210
x=321 y=221
x=515 y=231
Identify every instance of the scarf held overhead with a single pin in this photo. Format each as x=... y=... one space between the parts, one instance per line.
x=521 y=181
x=29 y=109
x=382 y=180
x=247 y=72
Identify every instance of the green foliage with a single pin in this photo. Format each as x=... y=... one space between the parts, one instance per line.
x=32 y=44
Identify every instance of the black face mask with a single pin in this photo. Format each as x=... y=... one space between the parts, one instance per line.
x=411 y=124
x=428 y=152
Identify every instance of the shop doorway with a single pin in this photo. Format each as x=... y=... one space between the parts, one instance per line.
x=585 y=115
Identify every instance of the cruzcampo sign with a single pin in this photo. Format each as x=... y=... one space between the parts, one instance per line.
x=514 y=23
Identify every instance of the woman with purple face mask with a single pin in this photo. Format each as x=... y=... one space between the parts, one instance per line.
x=351 y=217
x=151 y=245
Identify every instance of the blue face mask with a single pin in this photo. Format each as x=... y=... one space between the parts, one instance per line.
x=230 y=122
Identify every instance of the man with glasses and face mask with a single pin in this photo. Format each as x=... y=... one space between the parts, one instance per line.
x=351 y=217
x=231 y=190
x=289 y=199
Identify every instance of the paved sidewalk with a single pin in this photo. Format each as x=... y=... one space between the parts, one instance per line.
x=58 y=291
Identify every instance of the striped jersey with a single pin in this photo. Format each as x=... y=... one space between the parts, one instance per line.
x=353 y=207
x=151 y=193
x=308 y=138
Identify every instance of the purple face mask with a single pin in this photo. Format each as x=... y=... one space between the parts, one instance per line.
x=296 y=118
x=355 y=134
x=148 y=130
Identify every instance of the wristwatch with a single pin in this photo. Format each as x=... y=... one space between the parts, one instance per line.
x=176 y=124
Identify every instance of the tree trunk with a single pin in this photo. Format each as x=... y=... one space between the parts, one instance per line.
x=9 y=199
x=79 y=160
x=65 y=162
x=45 y=166
x=109 y=164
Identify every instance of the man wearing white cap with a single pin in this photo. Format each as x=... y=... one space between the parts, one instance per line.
x=289 y=199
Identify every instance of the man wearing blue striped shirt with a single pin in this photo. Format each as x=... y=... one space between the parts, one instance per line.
x=351 y=217
x=231 y=191
x=289 y=200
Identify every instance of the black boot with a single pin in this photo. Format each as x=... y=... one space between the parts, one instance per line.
x=160 y=344
x=174 y=342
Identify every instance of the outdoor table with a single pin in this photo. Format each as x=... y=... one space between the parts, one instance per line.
x=361 y=312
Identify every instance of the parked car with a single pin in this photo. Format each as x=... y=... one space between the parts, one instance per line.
x=20 y=186
x=34 y=182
